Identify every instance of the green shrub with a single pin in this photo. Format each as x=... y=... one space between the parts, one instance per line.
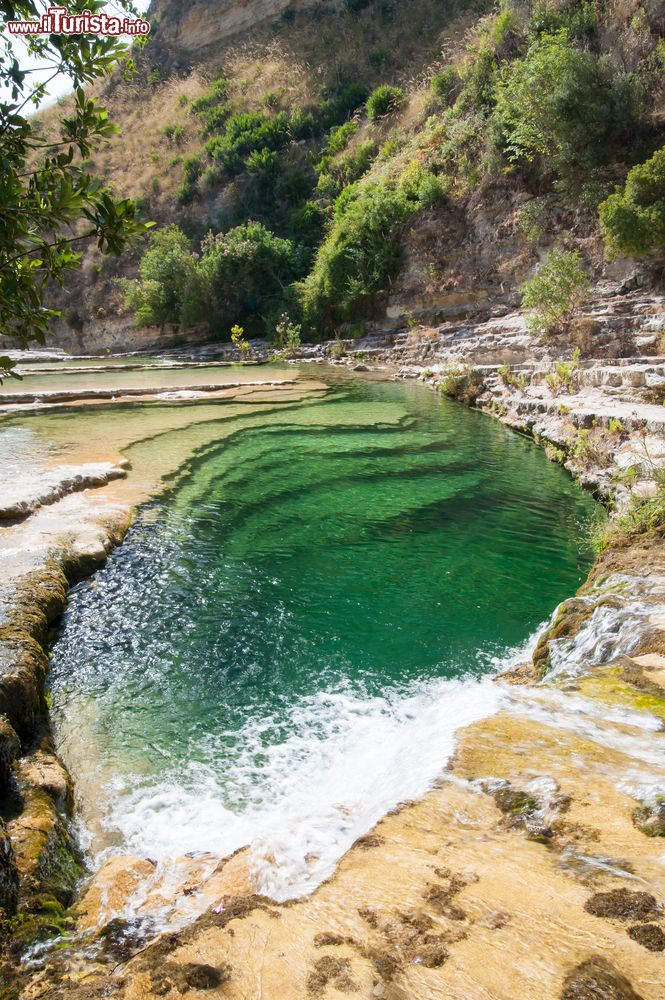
x=384 y=101
x=632 y=220
x=445 y=84
x=174 y=133
x=287 y=336
x=554 y=292
x=238 y=340
x=339 y=137
x=564 y=375
x=561 y=106
x=244 y=134
x=214 y=119
x=241 y=276
x=547 y=17
x=167 y=275
x=341 y=104
x=305 y=224
x=378 y=58
x=461 y=382
x=303 y=124
x=217 y=93
x=191 y=168
x=293 y=185
x=263 y=162
x=480 y=80
x=644 y=514
x=348 y=169
x=245 y=274
x=361 y=250
x=186 y=193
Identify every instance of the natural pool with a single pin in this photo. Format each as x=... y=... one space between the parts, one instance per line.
x=285 y=643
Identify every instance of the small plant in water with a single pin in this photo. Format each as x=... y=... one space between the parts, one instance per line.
x=287 y=336
x=238 y=340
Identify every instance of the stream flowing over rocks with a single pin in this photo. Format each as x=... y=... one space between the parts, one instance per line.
x=530 y=864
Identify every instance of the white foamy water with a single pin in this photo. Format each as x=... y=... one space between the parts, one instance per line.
x=347 y=761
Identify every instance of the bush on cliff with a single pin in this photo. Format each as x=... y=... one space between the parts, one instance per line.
x=632 y=220
x=385 y=100
x=561 y=107
x=361 y=249
x=554 y=292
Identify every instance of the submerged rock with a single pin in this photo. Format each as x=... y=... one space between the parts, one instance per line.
x=650 y=819
x=597 y=979
x=648 y=935
x=622 y=904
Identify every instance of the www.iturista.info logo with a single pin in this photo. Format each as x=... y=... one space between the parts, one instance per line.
x=56 y=21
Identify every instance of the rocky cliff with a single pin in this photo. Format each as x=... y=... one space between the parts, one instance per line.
x=187 y=30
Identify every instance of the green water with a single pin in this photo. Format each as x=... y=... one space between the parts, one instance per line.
x=287 y=629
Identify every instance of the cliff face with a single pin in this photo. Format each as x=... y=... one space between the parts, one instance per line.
x=190 y=28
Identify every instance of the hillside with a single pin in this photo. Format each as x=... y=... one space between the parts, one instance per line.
x=447 y=193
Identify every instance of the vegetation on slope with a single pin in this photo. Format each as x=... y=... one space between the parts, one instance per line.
x=330 y=158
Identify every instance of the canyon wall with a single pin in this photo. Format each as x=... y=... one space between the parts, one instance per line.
x=188 y=28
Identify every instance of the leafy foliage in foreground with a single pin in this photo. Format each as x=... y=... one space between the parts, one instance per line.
x=49 y=202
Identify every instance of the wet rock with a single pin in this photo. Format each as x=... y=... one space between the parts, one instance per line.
x=10 y=747
x=112 y=888
x=8 y=873
x=47 y=858
x=327 y=940
x=648 y=935
x=650 y=819
x=43 y=770
x=23 y=667
x=369 y=841
x=622 y=904
x=513 y=801
x=121 y=939
x=190 y=976
x=597 y=979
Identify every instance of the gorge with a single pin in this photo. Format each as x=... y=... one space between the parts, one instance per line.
x=332 y=603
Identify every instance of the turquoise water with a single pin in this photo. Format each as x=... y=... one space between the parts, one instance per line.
x=285 y=642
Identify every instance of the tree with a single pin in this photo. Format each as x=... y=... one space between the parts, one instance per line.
x=240 y=277
x=49 y=203
x=632 y=220
x=167 y=289
x=554 y=292
x=245 y=276
x=559 y=105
